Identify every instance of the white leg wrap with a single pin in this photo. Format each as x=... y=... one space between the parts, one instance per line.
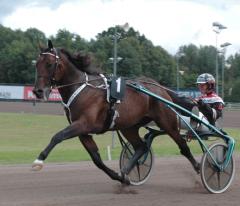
x=37 y=161
x=37 y=165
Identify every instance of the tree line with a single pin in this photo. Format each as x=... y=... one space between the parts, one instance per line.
x=19 y=49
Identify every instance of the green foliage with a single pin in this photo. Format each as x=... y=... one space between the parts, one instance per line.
x=139 y=55
x=69 y=41
x=232 y=78
x=234 y=95
x=17 y=51
x=194 y=61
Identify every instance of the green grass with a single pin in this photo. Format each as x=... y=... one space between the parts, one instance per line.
x=24 y=136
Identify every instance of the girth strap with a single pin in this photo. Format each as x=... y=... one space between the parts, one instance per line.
x=112 y=114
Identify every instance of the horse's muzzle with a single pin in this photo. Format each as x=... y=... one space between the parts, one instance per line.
x=38 y=93
x=41 y=93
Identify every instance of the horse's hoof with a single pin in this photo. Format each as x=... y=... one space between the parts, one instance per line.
x=197 y=168
x=125 y=179
x=37 y=165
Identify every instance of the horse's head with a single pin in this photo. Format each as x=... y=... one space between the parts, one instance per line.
x=55 y=66
x=47 y=66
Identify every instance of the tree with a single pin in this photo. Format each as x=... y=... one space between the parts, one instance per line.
x=103 y=50
x=17 y=62
x=234 y=94
x=139 y=55
x=195 y=61
x=35 y=36
x=232 y=80
x=69 y=41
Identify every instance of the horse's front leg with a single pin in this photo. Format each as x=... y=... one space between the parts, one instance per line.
x=71 y=131
x=92 y=149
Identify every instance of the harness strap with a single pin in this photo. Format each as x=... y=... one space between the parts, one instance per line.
x=51 y=54
x=77 y=92
x=115 y=115
x=74 y=95
x=106 y=86
x=112 y=114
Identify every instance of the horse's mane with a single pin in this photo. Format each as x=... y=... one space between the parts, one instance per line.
x=84 y=62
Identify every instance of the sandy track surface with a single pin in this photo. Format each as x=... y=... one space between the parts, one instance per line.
x=31 y=107
x=173 y=182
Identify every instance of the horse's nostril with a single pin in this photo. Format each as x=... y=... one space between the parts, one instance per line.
x=38 y=92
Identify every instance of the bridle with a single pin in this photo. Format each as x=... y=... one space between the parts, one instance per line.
x=52 y=79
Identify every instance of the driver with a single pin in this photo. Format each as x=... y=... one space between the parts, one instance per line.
x=209 y=103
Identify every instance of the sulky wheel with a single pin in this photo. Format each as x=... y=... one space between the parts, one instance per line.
x=141 y=171
x=214 y=179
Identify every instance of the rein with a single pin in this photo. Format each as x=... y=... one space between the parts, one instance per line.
x=163 y=87
x=75 y=83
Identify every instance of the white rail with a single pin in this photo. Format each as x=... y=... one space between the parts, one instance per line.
x=232 y=106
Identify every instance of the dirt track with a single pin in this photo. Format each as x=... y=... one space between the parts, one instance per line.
x=173 y=182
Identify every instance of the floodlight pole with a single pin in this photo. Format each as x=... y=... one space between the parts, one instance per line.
x=178 y=55
x=125 y=27
x=115 y=52
x=217 y=29
x=224 y=46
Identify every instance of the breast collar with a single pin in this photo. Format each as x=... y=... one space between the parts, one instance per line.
x=79 y=90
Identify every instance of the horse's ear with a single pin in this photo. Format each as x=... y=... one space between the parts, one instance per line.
x=50 y=45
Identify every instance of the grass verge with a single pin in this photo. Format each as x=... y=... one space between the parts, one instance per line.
x=23 y=136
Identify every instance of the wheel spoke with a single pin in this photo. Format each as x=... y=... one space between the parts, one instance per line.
x=219 y=180
x=227 y=172
x=210 y=176
x=138 y=170
x=147 y=165
x=211 y=165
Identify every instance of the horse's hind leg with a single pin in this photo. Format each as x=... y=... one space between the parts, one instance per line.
x=139 y=146
x=184 y=149
x=172 y=130
x=92 y=149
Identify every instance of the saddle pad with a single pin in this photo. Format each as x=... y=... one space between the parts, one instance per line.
x=117 y=89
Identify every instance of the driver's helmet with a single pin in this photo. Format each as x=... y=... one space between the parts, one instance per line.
x=207 y=79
